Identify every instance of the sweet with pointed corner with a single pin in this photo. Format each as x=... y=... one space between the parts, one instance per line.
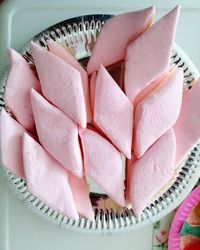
x=21 y=80
x=158 y=111
x=62 y=53
x=11 y=133
x=117 y=32
x=113 y=112
x=57 y=133
x=81 y=197
x=103 y=164
x=47 y=179
x=148 y=56
x=150 y=173
x=61 y=84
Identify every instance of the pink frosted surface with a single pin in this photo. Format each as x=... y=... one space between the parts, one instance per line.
x=60 y=52
x=58 y=134
x=151 y=172
x=158 y=112
x=103 y=164
x=116 y=33
x=187 y=127
x=113 y=112
x=17 y=92
x=81 y=197
x=11 y=144
x=47 y=179
x=61 y=84
x=148 y=56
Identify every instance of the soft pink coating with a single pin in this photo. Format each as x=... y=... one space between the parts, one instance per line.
x=152 y=171
x=81 y=197
x=47 y=179
x=113 y=112
x=11 y=144
x=187 y=127
x=61 y=84
x=17 y=92
x=116 y=33
x=62 y=53
x=158 y=112
x=93 y=79
x=57 y=133
x=103 y=164
x=148 y=56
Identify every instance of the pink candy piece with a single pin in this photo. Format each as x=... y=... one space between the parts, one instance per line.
x=80 y=193
x=60 y=52
x=151 y=172
x=11 y=144
x=187 y=127
x=61 y=84
x=92 y=89
x=58 y=134
x=113 y=112
x=158 y=112
x=17 y=93
x=116 y=33
x=148 y=56
x=103 y=164
x=47 y=179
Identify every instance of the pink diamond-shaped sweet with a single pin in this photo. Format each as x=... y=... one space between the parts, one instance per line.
x=113 y=112
x=152 y=171
x=187 y=127
x=115 y=35
x=148 y=56
x=57 y=133
x=61 y=84
x=158 y=111
x=59 y=51
x=17 y=92
x=103 y=164
x=11 y=144
x=47 y=179
x=81 y=197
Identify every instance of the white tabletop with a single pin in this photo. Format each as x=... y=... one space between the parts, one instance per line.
x=20 y=229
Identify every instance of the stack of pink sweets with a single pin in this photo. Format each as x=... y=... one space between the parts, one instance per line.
x=69 y=123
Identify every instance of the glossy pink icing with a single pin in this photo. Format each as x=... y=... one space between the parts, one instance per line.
x=113 y=112
x=17 y=92
x=116 y=33
x=152 y=171
x=62 y=53
x=148 y=56
x=11 y=144
x=57 y=133
x=81 y=197
x=103 y=164
x=61 y=84
x=47 y=179
x=158 y=112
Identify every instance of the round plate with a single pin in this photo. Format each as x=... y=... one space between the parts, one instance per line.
x=181 y=215
x=79 y=35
